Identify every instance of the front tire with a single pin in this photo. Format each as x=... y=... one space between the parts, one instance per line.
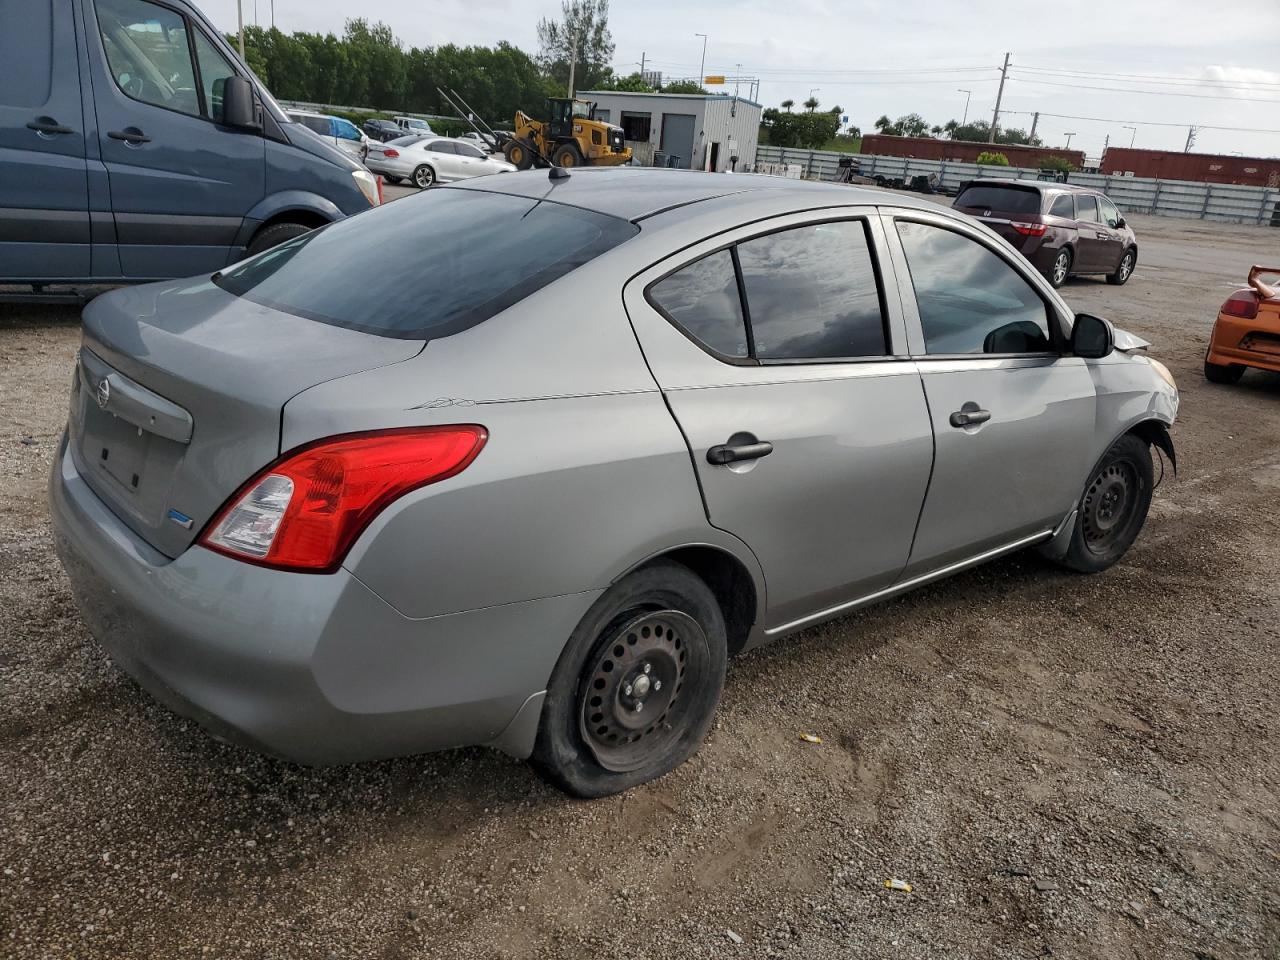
x=1223 y=372
x=424 y=177
x=274 y=235
x=567 y=155
x=1060 y=269
x=519 y=154
x=655 y=641
x=1113 y=508
x=1124 y=269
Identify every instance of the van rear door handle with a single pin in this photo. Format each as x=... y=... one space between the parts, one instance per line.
x=129 y=135
x=48 y=125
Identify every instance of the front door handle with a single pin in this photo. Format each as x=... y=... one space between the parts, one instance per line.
x=740 y=447
x=970 y=417
x=48 y=125
x=129 y=135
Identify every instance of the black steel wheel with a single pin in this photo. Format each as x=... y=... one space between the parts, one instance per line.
x=1113 y=507
x=635 y=689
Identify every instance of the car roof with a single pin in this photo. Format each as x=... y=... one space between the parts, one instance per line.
x=1033 y=185
x=634 y=193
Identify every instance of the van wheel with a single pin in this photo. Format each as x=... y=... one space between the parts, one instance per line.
x=1124 y=270
x=635 y=689
x=1061 y=268
x=424 y=177
x=274 y=235
x=1113 y=508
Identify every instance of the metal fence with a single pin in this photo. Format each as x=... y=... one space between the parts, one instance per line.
x=1226 y=203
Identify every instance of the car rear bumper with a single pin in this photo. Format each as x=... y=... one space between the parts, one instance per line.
x=312 y=668
x=398 y=167
x=1246 y=342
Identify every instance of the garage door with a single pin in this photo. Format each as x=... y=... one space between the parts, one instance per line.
x=677 y=136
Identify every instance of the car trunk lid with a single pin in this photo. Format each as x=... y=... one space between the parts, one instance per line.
x=1004 y=208
x=178 y=396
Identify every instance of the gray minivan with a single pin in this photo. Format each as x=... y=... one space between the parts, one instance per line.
x=135 y=145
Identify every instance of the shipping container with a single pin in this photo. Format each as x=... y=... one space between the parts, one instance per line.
x=1199 y=167
x=964 y=151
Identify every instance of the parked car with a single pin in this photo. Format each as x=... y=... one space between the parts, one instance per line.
x=477 y=141
x=1247 y=331
x=1061 y=228
x=382 y=130
x=426 y=161
x=135 y=145
x=413 y=125
x=342 y=133
x=535 y=492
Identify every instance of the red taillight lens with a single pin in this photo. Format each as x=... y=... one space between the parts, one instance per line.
x=1242 y=303
x=391 y=152
x=1029 y=229
x=304 y=511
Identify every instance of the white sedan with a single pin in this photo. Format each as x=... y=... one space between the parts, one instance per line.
x=426 y=161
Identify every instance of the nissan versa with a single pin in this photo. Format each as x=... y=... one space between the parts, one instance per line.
x=598 y=433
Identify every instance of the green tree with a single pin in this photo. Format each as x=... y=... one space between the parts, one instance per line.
x=811 y=104
x=810 y=130
x=1061 y=164
x=582 y=32
x=684 y=86
x=633 y=83
x=989 y=158
x=787 y=105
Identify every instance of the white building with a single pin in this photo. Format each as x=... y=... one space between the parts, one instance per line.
x=703 y=131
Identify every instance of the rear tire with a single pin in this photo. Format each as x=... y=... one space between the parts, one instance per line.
x=593 y=741
x=274 y=235
x=1223 y=372
x=1124 y=270
x=1060 y=269
x=424 y=177
x=1113 y=507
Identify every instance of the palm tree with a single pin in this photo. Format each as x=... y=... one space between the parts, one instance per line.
x=787 y=105
x=884 y=123
x=936 y=130
x=811 y=104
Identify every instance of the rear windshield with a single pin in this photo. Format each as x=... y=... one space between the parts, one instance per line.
x=427 y=266
x=1004 y=199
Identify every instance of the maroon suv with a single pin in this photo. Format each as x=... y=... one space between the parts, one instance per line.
x=1061 y=228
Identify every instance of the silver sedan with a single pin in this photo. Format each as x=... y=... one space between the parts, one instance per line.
x=426 y=161
x=595 y=435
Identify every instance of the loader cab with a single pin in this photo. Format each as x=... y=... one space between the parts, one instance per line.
x=562 y=111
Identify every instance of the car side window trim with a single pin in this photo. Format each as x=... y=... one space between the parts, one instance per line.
x=919 y=352
x=751 y=360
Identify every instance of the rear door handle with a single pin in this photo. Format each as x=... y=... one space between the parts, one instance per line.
x=48 y=125
x=970 y=418
x=129 y=135
x=735 y=450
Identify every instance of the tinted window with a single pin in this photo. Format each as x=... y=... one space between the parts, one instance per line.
x=147 y=51
x=466 y=150
x=1110 y=215
x=319 y=124
x=702 y=299
x=442 y=147
x=1086 y=207
x=443 y=260
x=214 y=73
x=812 y=294
x=346 y=129
x=1063 y=206
x=970 y=300
x=1004 y=199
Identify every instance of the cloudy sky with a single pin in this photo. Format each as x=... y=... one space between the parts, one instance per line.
x=1101 y=67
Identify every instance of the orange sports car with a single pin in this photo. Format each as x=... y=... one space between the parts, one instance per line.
x=1247 y=331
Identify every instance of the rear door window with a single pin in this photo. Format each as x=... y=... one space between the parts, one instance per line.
x=702 y=300
x=441 y=147
x=812 y=293
x=1005 y=199
x=1086 y=208
x=443 y=261
x=1063 y=207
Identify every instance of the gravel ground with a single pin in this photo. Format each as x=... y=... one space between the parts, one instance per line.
x=1059 y=765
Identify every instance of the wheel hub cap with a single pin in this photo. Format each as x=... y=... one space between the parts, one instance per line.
x=631 y=701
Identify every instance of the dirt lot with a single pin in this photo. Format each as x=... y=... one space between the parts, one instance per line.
x=1060 y=765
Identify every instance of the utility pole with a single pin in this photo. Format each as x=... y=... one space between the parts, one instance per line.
x=1191 y=139
x=1069 y=136
x=737 y=78
x=1106 y=142
x=273 y=14
x=573 y=61
x=702 y=67
x=967 y=95
x=1035 y=121
x=1133 y=138
x=995 y=117
x=240 y=18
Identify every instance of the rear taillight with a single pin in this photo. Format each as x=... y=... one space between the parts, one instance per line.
x=391 y=152
x=1029 y=229
x=304 y=511
x=1243 y=304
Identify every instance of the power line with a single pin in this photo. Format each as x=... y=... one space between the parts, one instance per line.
x=1149 y=123
x=1164 y=79
x=1147 y=93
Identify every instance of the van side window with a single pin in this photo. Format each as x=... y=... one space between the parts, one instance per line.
x=1110 y=215
x=1063 y=207
x=1086 y=207
x=214 y=74
x=148 y=53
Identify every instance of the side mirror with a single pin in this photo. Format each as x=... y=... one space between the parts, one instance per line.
x=1092 y=337
x=239 y=108
x=1120 y=223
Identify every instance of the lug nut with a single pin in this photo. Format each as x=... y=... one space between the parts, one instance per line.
x=639 y=706
x=646 y=668
x=657 y=684
x=627 y=689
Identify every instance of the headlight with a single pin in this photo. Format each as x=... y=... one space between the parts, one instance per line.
x=368 y=185
x=1161 y=369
